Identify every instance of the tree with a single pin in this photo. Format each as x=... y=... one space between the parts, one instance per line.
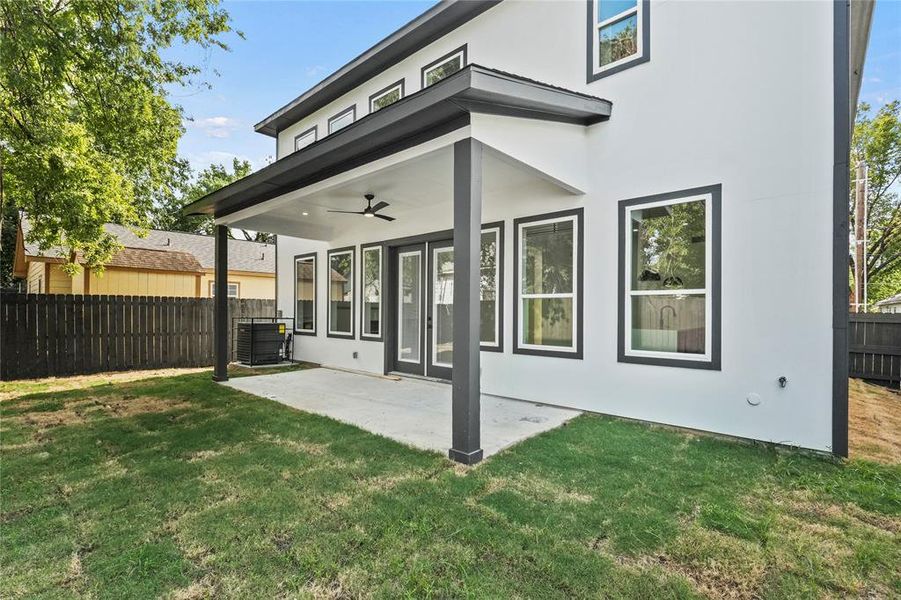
x=877 y=140
x=168 y=212
x=88 y=136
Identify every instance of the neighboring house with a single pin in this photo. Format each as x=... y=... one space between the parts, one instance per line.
x=889 y=305
x=164 y=263
x=590 y=205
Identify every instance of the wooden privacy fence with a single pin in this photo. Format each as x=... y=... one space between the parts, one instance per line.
x=45 y=335
x=874 y=342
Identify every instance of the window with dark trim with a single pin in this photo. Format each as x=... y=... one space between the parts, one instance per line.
x=305 y=267
x=342 y=119
x=548 y=274
x=341 y=292
x=669 y=279
x=304 y=139
x=491 y=288
x=619 y=36
x=371 y=286
x=386 y=96
x=443 y=67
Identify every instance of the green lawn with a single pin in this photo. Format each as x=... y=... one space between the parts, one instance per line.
x=178 y=487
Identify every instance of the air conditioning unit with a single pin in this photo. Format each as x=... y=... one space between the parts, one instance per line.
x=260 y=343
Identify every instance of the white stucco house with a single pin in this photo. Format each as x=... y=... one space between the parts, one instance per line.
x=604 y=205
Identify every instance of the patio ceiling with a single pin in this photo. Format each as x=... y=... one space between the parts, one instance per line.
x=428 y=114
x=422 y=182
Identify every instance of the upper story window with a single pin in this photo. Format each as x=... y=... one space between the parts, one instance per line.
x=389 y=95
x=669 y=279
x=342 y=119
x=444 y=67
x=305 y=139
x=548 y=302
x=618 y=36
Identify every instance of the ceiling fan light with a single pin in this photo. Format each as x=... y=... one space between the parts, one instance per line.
x=368 y=215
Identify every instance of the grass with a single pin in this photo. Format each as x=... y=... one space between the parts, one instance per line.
x=177 y=487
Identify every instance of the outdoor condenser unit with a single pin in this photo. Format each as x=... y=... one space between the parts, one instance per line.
x=260 y=343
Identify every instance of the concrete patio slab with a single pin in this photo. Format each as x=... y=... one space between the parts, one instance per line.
x=411 y=411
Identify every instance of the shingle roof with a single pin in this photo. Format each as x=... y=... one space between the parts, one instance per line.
x=155 y=260
x=242 y=255
x=896 y=299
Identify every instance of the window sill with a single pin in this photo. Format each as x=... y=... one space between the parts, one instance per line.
x=594 y=76
x=548 y=353
x=707 y=365
x=341 y=336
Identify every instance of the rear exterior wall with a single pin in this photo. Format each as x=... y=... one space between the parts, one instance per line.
x=714 y=105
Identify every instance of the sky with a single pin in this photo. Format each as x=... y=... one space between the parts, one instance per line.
x=290 y=46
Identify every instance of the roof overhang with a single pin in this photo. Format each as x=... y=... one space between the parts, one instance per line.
x=425 y=115
x=861 y=20
x=439 y=20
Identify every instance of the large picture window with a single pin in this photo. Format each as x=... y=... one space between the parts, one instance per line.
x=618 y=35
x=341 y=292
x=305 y=294
x=549 y=285
x=371 y=292
x=669 y=246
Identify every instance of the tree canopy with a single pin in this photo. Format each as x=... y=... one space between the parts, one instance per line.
x=877 y=141
x=88 y=135
x=168 y=212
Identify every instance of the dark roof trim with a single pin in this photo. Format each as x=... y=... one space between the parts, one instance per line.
x=415 y=119
x=415 y=35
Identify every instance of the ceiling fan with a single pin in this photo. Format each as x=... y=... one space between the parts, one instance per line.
x=370 y=210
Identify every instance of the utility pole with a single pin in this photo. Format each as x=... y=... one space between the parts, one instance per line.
x=860 y=238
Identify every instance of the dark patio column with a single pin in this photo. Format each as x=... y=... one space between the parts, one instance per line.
x=220 y=320
x=466 y=448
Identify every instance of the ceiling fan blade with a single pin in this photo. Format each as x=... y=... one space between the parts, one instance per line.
x=380 y=206
x=348 y=212
x=386 y=217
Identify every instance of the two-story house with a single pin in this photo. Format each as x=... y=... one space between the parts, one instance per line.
x=630 y=207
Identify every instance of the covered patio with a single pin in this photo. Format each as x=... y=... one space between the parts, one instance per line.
x=440 y=155
x=411 y=411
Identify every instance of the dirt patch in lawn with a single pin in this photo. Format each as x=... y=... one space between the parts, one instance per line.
x=79 y=411
x=874 y=422
x=16 y=389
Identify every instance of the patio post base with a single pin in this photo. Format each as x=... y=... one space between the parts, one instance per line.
x=466 y=458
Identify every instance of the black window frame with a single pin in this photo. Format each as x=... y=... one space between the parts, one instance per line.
x=382 y=264
x=714 y=291
x=464 y=49
x=315 y=257
x=579 y=281
x=353 y=294
x=314 y=130
x=592 y=58
x=350 y=109
x=385 y=90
